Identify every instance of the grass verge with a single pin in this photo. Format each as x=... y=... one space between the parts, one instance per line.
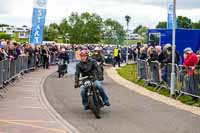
x=129 y=72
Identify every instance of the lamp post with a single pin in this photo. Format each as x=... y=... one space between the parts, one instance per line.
x=127 y=18
x=173 y=78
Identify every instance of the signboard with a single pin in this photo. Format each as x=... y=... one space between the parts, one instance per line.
x=22 y=35
x=170 y=15
x=38 y=21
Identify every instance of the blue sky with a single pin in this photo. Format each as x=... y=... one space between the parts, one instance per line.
x=146 y=12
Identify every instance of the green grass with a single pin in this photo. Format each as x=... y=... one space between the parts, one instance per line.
x=129 y=72
x=130 y=42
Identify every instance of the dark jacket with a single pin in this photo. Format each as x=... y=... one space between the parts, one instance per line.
x=153 y=56
x=64 y=56
x=1 y=56
x=98 y=58
x=143 y=56
x=89 y=68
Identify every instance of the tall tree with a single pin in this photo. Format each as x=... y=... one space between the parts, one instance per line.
x=196 y=25
x=136 y=30
x=113 y=32
x=64 y=30
x=142 y=31
x=162 y=25
x=184 y=22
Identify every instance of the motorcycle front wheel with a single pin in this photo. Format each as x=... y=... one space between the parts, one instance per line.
x=93 y=107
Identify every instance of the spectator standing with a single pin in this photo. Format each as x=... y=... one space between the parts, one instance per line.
x=135 y=54
x=143 y=53
x=190 y=62
x=12 y=54
x=117 y=56
x=45 y=54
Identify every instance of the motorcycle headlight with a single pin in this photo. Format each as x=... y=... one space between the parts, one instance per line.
x=87 y=84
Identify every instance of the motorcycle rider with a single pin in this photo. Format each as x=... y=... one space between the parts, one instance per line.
x=89 y=67
x=97 y=55
x=64 y=56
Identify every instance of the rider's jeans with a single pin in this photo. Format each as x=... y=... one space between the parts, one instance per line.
x=101 y=90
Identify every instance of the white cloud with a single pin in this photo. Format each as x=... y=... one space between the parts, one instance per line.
x=146 y=12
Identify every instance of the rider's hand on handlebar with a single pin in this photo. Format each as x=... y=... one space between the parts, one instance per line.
x=76 y=85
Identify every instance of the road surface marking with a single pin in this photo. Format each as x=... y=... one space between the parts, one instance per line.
x=31 y=98
x=33 y=126
x=30 y=107
x=30 y=121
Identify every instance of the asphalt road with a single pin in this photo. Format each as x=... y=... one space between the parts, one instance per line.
x=129 y=112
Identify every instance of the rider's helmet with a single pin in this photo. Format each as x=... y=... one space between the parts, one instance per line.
x=97 y=49
x=84 y=53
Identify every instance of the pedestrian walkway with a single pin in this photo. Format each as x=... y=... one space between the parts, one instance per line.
x=23 y=111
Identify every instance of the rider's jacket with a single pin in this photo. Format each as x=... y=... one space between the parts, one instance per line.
x=64 y=56
x=89 y=68
x=98 y=58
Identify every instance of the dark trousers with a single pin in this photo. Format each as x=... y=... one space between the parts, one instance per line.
x=116 y=60
x=45 y=62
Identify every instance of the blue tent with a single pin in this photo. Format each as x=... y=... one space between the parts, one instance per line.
x=184 y=38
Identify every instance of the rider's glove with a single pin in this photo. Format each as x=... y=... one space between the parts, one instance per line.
x=76 y=85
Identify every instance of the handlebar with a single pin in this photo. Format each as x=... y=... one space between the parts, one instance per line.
x=86 y=77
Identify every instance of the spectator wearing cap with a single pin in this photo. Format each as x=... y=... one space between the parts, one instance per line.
x=190 y=58
x=190 y=62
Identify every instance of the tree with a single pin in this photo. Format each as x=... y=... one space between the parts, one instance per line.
x=92 y=28
x=51 y=32
x=196 y=25
x=85 y=28
x=4 y=25
x=113 y=32
x=136 y=30
x=162 y=25
x=64 y=30
x=184 y=22
x=142 y=31
x=5 y=36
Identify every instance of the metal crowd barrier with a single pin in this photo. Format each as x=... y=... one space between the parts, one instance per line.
x=169 y=71
x=72 y=57
x=6 y=70
x=187 y=79
x=142 y=67
x=1 y=74
x=53 y=58
x=31 y=62
x=154 y=74
x=11 y=69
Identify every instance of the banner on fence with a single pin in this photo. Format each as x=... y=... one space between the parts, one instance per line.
x=38 y=21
